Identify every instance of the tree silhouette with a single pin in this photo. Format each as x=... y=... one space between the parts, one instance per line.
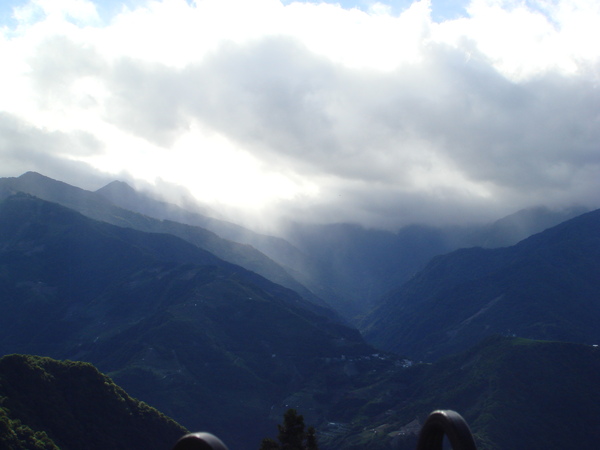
x=311 y=439
x=292 y=435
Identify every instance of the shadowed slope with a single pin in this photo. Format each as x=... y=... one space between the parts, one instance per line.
x=73 y=406
x=545 y=287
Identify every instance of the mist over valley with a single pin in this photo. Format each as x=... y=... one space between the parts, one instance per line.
x=216 y=215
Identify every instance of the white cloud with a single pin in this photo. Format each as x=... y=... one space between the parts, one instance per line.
x=82 y=11
x=359 y=115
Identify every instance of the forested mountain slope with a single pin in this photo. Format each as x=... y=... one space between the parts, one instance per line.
x=49 y=404
x=342 y=266
x=545 y=287
x=514 y=393
x=363 y=264
x=303 y=267
x=96 y=206
x=222 y=349
x=209 y=343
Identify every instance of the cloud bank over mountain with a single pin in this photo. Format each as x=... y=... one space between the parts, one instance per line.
x=312 y=110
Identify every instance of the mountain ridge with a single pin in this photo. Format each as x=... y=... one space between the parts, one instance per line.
x=343 y=267
x=169 y=322
x=71 y=405
x=97 y=207
x=543 y=287
x=222 y=349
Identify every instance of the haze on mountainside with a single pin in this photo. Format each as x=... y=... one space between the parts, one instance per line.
x=378 y=113
x=177 y=327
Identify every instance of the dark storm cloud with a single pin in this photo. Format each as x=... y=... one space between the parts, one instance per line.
x=295 y=110
x=446 y=135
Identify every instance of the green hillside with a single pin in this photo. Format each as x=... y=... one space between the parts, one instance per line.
x=49 y=404
x=515 y=394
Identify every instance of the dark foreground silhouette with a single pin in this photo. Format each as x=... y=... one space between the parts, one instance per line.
x=431 y=437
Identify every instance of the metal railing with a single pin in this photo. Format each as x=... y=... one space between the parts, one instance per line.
x=445 y=423
x=431 y=437
x=199 y=441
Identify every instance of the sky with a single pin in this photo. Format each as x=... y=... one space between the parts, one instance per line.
x=379 y=113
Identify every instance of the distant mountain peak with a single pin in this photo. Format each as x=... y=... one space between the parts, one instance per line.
x=116 y=187
x=31 y=175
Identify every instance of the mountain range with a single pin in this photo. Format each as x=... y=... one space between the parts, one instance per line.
x=544 y=287
x=199 y=326
x=342 y=267
x=49 y=404
x=350 y=266
x=171 y=323
x=96 y=206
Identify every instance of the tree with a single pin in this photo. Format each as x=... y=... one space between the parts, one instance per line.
x=292 y=435
x=269 y=444
x=311 y=439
